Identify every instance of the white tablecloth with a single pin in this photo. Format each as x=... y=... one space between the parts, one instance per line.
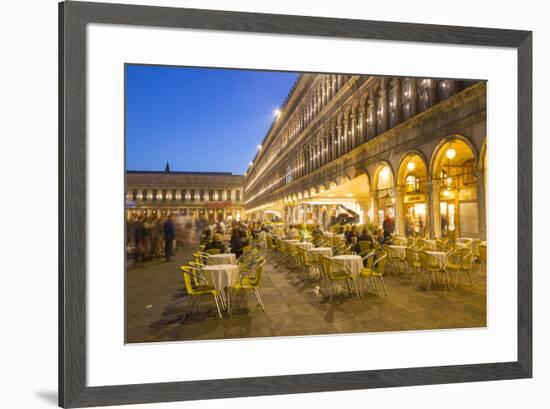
x=225 y=258
x=324 y=251
x=291 y=241
x=440 y=255
x=222 y=275
x=305 y=245
x=354 y=262
x=396 y=251
x=431 y=244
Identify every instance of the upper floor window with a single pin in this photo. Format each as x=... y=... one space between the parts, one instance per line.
x=134 y=195
x=163 y=195
x=237 y=195
x=155 y=192
x=174 y=195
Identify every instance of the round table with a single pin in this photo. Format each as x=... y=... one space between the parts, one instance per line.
x=224 y=258
x=305 y=245
x=397 y=251
x=324 y=251
x=221 y=275
x=440 y=255
x=353 y=262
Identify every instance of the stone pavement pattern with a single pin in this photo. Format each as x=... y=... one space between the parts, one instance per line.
x=159 y=310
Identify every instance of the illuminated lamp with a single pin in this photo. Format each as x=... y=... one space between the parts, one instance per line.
x=451 y=153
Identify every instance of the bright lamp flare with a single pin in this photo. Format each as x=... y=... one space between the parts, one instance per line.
x=411 y=166
x=277 y=112
x=451 y=153
x=384 y=173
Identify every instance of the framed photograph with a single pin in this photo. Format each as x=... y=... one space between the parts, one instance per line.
x=255 y=204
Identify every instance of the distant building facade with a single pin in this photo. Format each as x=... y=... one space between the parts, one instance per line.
x=212 y=196
x=409 y=149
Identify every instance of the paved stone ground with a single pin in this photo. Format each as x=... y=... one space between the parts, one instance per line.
x=159 y=310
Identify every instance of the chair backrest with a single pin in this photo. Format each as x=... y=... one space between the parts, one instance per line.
x=256 y=277
x=191 y=276
x=247 y=248
x=380 y=262
x=369 y=258
x=364 y=245
x=409 y=256
x=322 y=262
x=423 y=259
x=466 y=259
x=482 y=248
x=213 y=251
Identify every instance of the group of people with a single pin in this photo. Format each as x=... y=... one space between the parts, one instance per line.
x=151 y=237
x=239 y=232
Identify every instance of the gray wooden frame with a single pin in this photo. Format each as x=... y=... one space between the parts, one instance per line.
x=73 y=18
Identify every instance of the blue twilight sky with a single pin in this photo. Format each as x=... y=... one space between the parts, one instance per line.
x=199 y=119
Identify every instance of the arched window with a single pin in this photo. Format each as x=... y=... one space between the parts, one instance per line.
x=134 y=195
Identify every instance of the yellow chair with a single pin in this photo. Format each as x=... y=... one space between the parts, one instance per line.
x=213 y=251
x=197 y=290
x=482 y=248
x=366 y=272
x=378 y=270
x=337 y=272
x=460 y=262
x=412 y=260
x=431 y=265
x=364 y=246
x=252 y=282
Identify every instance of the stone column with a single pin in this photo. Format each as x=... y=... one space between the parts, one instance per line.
x=434 y=221
x=400 y=211
x=481 y=205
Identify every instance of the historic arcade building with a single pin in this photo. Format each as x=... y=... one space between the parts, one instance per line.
x=413 y=149
x=200 y=195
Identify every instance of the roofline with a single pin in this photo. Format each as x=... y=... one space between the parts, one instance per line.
x=172 y=172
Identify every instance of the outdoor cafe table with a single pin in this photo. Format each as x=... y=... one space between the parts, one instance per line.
x=221 y=276
x=353 y=262
x=305 y=245
x=324 y=251
x=440 y=255
x=224 y=258
x=397 y=251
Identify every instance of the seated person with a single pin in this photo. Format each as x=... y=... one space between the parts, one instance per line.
x=205 y=237
x=216 y=243
x=293 y=233
x=365 y=236
x=317 y=232
x=380 y=236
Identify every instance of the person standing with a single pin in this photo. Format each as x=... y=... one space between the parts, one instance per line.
x=169 y=237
